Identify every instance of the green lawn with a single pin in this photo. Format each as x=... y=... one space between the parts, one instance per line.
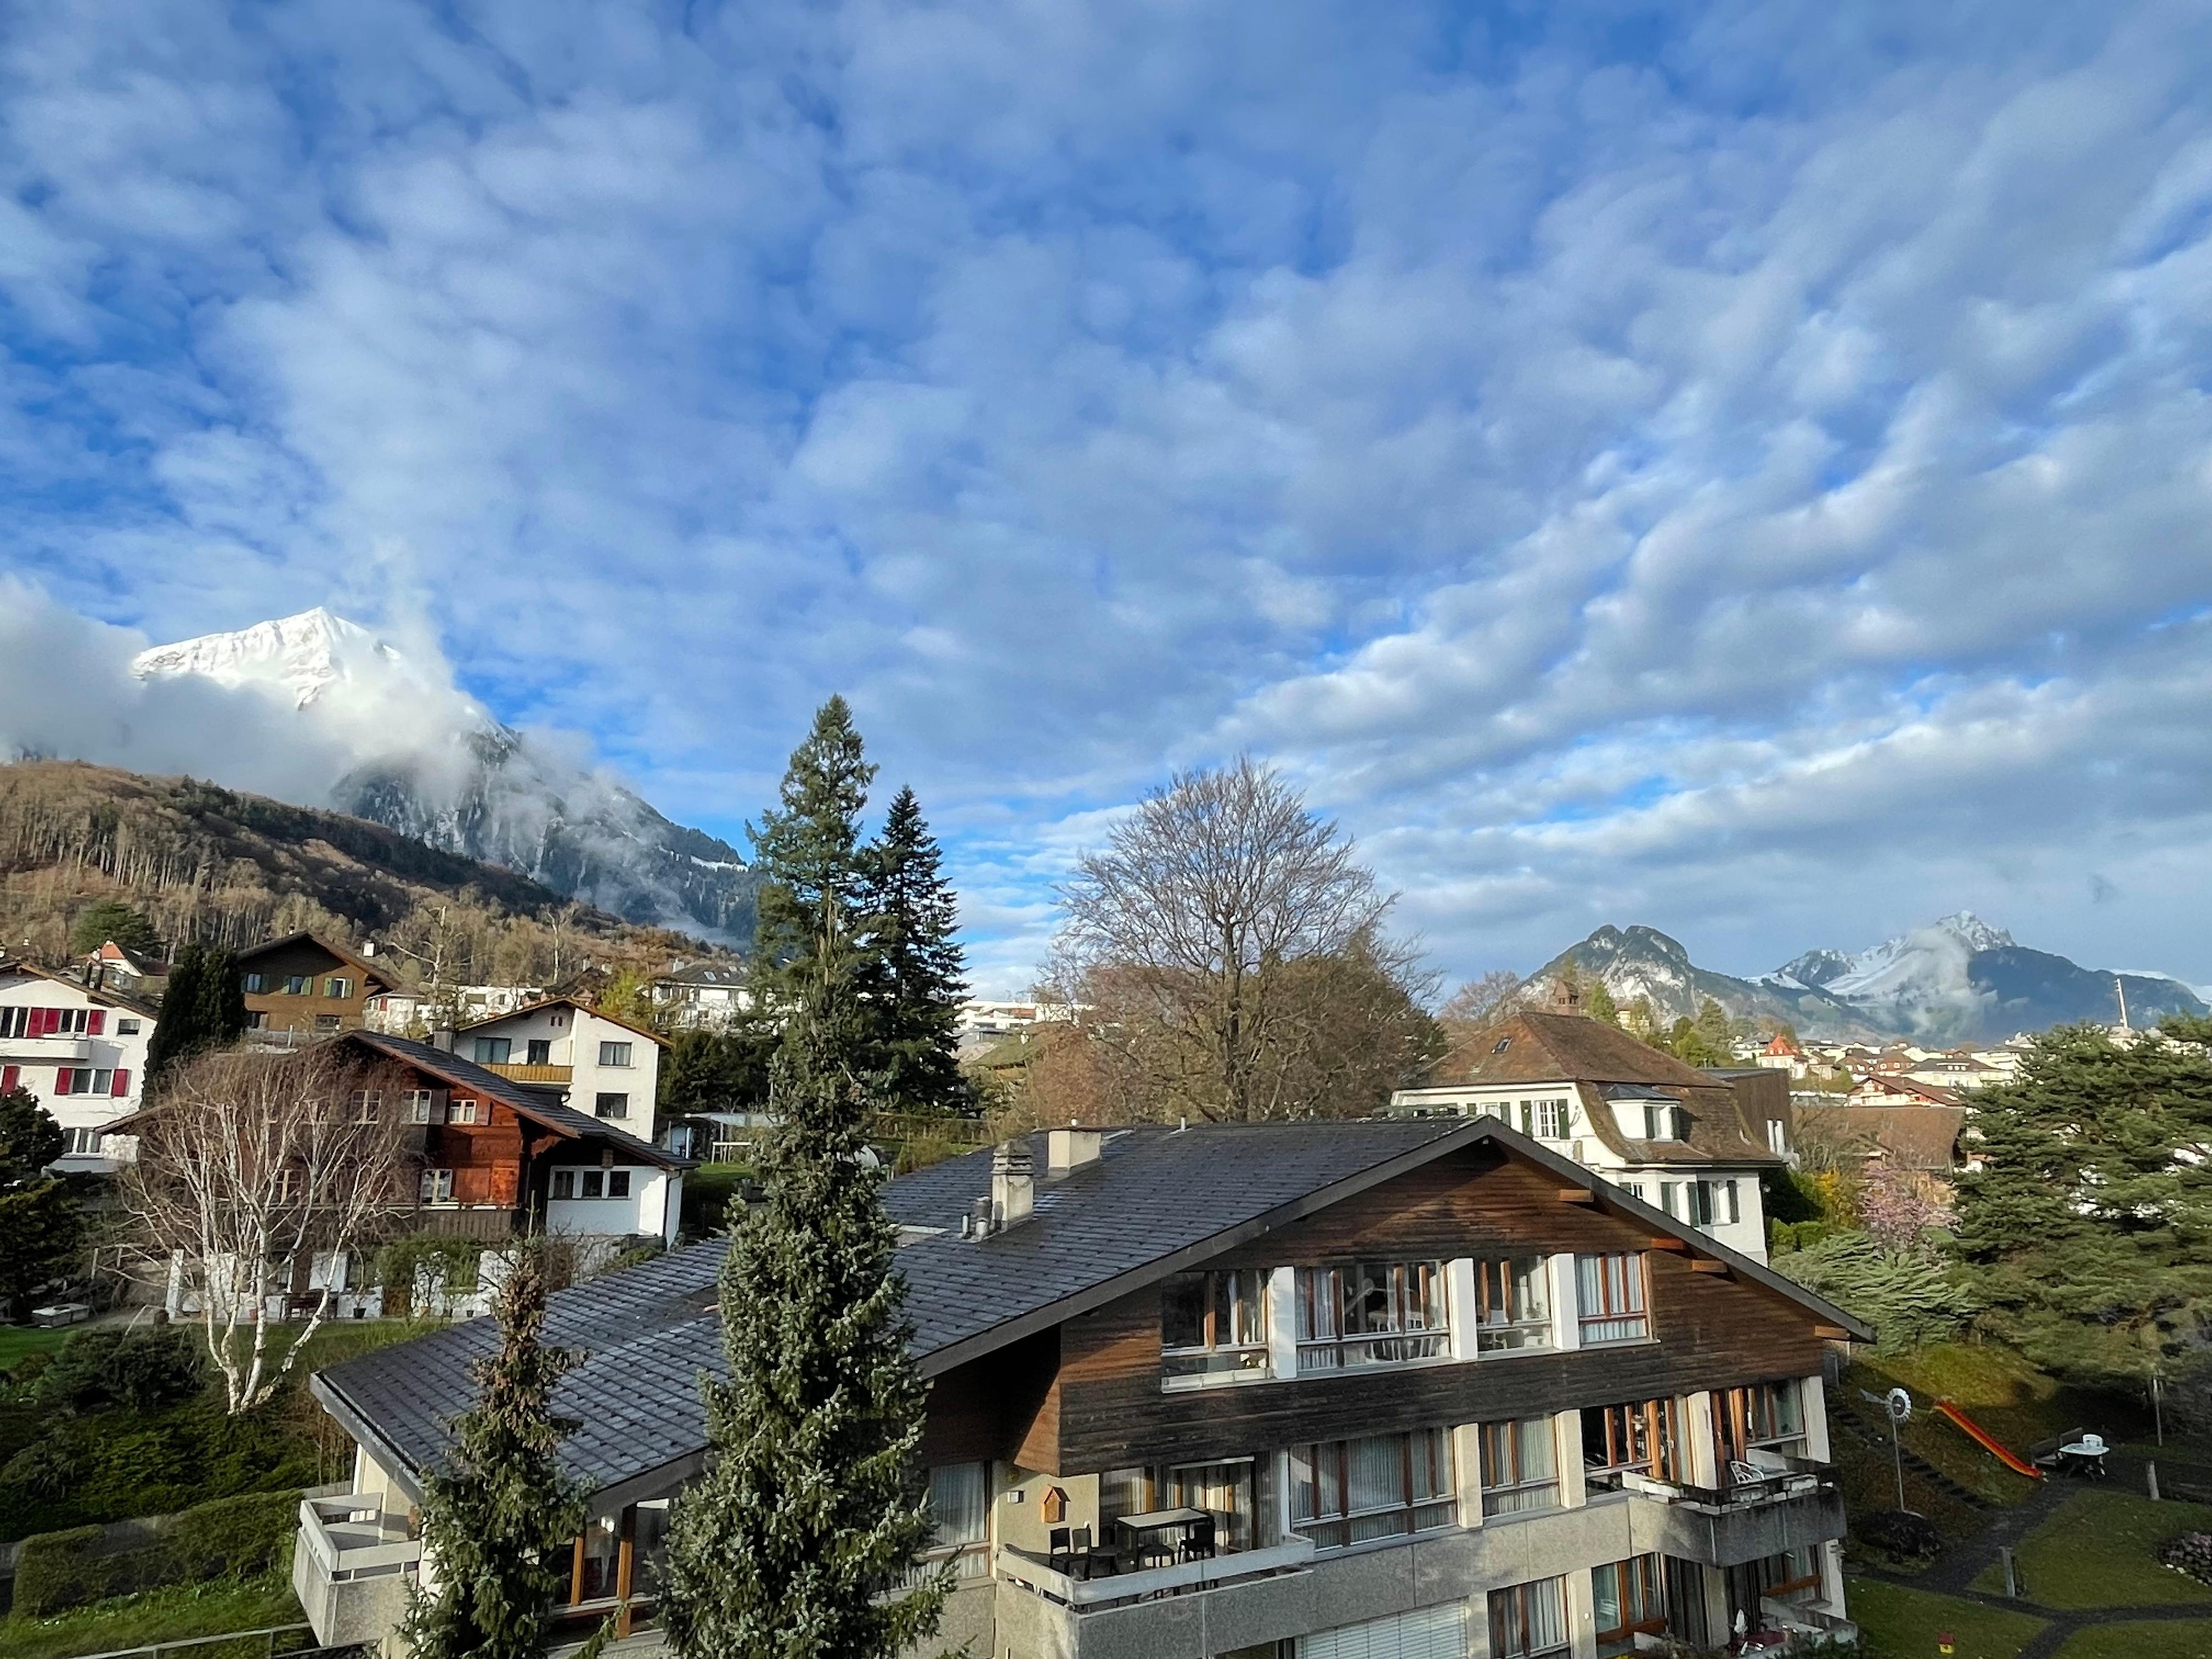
x=2183 y=1638
x=161 y=1615
x=17 y=1340
x=1904 y=1624
x=2100 y=1550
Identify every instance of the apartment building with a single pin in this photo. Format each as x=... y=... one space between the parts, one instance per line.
x=81 y=1050
x=1692 y=1142
x=603 y=1067
x=1298 y=1391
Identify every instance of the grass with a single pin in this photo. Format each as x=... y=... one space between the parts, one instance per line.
x=2100 y=1550
x=1904 y=1624
x=160 y=1615
x=2180 y=1638
x=18 y=1341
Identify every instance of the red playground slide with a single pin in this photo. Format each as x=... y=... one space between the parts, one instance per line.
x=1982 y=1438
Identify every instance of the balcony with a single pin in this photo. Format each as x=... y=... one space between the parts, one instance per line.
x=352 y=1567
x=1793 y=1508
x=47 y=1050
x=521 y=1073
x=1187 y=1611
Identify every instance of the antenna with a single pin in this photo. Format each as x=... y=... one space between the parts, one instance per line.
x=2122 y=991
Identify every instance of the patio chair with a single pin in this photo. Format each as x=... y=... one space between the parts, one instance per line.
x=1197 y=1544
x=1060 y=1549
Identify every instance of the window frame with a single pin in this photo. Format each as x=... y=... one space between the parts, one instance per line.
x=618 y=1111
x=1639 y=1436
x=621 y=1051
x=1638 y=1586
x=1244 y=1353
x=1508 y=1440
x=1533 y=1329
x=1625 y=1298
x=967 y=1557
x=1342 y=1527
x=337 y=987
x=436 y=1186
x=1329 y=1349
x=562 y=1184
x=1512 y=1636
x=297 y=985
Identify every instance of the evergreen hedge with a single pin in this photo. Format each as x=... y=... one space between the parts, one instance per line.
x=236 y=1538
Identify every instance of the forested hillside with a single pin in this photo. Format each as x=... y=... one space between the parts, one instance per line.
x=207 y=863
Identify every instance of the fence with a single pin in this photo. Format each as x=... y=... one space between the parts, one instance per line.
x=292 y=1641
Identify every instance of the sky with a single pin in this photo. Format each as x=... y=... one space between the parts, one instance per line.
x=1742 y=469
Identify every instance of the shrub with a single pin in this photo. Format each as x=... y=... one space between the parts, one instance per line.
x=45 y=1467
x=144 y=1369
x=1907 y=1296
x=1900 y=1533
x=56 y=1571
x=232 y=1538
x=2190 y=1554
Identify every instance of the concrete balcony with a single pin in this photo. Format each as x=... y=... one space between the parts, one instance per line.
x=352 y=1567
x=521 y=1073
x=1745 y=1523
x=1188 y=1611
x=47 y=1050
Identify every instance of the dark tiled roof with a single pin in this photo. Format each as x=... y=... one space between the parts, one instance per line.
x=368 y=971
x=578 y=1004
x=1544 y=1047
x=1913 y=1137
x=1155 y=1200
x=538 y=1107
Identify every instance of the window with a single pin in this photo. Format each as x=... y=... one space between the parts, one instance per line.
x=422 y=1106
x=618 y=1184
x=1547 y=1120
x=256 y=1020
x=464 y=1110
x=1638 y=1435
x=1512 y=1308
x=296 y=985
x=1375 y=1313
x=1790 y=1576
x=327 y=1022
x=291 y=1185
x=1765 y=1417
x=1224 y=1490
x=437 y=1186
x=255 y=983
x=564 y=1183
x=960 y=1513
x=1704 y=1204
x=1529 y=1621
x=614 y=1053
x=1385 y=1486
x=83 y=1080
x=1610 y=1290
x=540 y=1051
x=611 y=1105
x=366 y=1105
x=1214 y=1324
x=337 y=986
x=592 y=1184
x=1627 y=1598
x=126 y=1027
x=493 y=1051
x=1662 y=1121
x=1520 y=1467
x=1503 y=1044
x=1778 y=1137
x=85 y=1143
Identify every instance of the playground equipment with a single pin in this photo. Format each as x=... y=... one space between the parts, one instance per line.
x=1988 y=1442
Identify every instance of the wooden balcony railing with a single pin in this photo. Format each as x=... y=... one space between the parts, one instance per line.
x=519 y=1073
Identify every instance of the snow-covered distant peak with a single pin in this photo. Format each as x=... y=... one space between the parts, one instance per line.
x=1923 y=967
x=306 y=656
x=1973 y=931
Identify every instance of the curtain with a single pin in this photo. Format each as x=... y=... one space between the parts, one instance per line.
x=959 y=1503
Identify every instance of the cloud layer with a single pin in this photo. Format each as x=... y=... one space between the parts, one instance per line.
x=1742 y=469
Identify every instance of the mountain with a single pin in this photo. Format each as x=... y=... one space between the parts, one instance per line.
x=219 y=864
x=432 y=763
x=1957 y=979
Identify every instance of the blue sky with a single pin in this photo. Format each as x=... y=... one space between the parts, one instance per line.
x=1741 y=468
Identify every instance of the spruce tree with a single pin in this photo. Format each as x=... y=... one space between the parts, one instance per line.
x=916 y=970
x=811 y=1504
x=177 y=1030
x=40 y=1227
x=1600 y=1005
x=221 y=999
x=499 y=1519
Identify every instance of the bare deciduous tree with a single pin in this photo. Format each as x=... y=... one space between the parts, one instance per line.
x=249 y=1162
x=1227 y=950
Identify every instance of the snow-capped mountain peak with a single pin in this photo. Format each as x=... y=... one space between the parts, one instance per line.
x=303 y=655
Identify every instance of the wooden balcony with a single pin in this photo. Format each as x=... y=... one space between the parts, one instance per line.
x=514 y=1073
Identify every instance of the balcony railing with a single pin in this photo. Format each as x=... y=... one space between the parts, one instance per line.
x=524 y=1074
x=1802 y=1478
x=352 y=1567
x=1104 y=1591
x=1352 y=1353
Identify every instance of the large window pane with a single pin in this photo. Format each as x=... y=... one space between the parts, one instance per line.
x=1529 y=1621
x=1182 y=1311
x=1374 y=1313
x=1520 y=1467
x=1379 y=1486
x=1610 y=1288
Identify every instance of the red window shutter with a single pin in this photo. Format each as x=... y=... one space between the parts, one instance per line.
x=8 y=1075
x=122 y=1083
x=96 y=1022
x=38 y=1027
x=62 y=1080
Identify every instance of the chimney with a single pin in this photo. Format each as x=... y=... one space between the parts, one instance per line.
x=442 y=1038
x=1013 y=1185
x=1070 y=1149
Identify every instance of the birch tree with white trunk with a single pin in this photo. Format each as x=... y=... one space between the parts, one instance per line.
x=249 y=1162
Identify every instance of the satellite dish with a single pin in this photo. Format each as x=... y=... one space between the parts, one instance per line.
x=1899 y=1404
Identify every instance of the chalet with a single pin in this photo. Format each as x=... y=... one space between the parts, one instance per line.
x=1692 y=1142
x=496 y=1155
x=303 y=986
x=1303 y=1390
x=1895 y=1089
x=134 y=973
x=708 y=993
x=603 y=1067
x=80 y=1048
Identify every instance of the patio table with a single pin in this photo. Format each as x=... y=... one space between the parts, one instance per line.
x=1147 y=1531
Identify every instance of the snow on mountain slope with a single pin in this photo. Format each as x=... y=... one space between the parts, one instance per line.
x=427 y=760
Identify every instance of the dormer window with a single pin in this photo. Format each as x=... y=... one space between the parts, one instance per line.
x=1662 y=1121
x=1503 y=1044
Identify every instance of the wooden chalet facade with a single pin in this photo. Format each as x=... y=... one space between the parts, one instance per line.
x=1301 y=1391
x=303 y=987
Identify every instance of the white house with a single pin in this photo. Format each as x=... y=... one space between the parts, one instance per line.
x=1691 y=1143
x=603 y=1067
x=81 y=1049
x=705 y=994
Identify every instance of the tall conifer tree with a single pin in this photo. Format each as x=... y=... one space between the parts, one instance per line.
x=812 y=1505
x=917 y=973
x=203 y=1006
x=498 y=1521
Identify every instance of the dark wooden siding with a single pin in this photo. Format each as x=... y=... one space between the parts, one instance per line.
x=1105 y=1409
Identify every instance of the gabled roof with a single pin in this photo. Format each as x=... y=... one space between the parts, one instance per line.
x=1912 y=1137
x=577 y=1003
x=106 y=996
x=1548 y=1047
x=368 y=971
x=1157 y=1201
x=539 y=1108
x=144 y=966
x=706 y=971
x=1896 y=1083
